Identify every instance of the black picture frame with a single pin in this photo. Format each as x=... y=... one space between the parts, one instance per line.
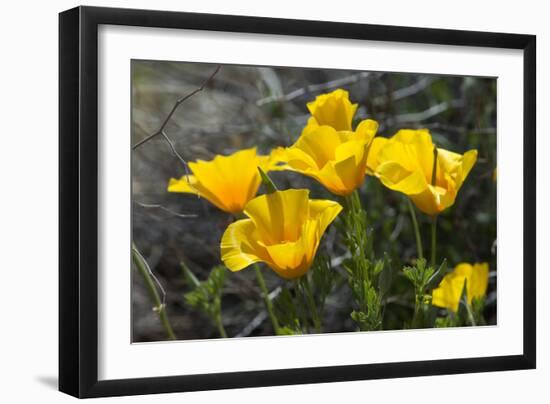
x=78 y=201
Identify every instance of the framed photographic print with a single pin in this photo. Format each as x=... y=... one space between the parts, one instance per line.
x=250 y=201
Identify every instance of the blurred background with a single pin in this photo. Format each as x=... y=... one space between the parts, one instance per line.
x=245 y=106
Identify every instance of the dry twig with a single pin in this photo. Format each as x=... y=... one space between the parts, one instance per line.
x=165 y=209
x=405 y=91
x=175 y=107
x=312 y=88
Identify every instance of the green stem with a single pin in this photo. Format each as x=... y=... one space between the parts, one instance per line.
x=416 y=230
x=356 y=200
x=160 y=307
x=434 y=241
x=470 y=314
x=417 y=321
x=419 y=318
x=267 y=300
x=219 y=325
x=301 y=312
x=350 y=201
x=311 y=303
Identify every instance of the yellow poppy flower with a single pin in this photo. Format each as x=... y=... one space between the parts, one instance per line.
x=333 y=109
x=449 y=291
x=228 y=182
x=337 y=159
x=405 y=163
x=283 y=229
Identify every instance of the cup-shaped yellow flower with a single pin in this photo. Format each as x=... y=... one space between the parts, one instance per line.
x=337 y=159
x=405 y=163
x=448 y=293
x=332 y=109
x=282 y=229
x=228 y=182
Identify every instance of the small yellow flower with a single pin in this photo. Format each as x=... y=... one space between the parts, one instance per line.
x=449 y=291
x=337 y=159
x=405 y=163
x=228 y=182
x=283 y=229
x=333 y=109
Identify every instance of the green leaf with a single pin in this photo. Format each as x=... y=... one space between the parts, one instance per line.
x=322 y=278
x=268 y=183
x=378 y=267
x=191 y=278
x=287 y=331
x=358 y=316
x=386 y=276
x=285 y=311
x=438 y=275
x=206 y=296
